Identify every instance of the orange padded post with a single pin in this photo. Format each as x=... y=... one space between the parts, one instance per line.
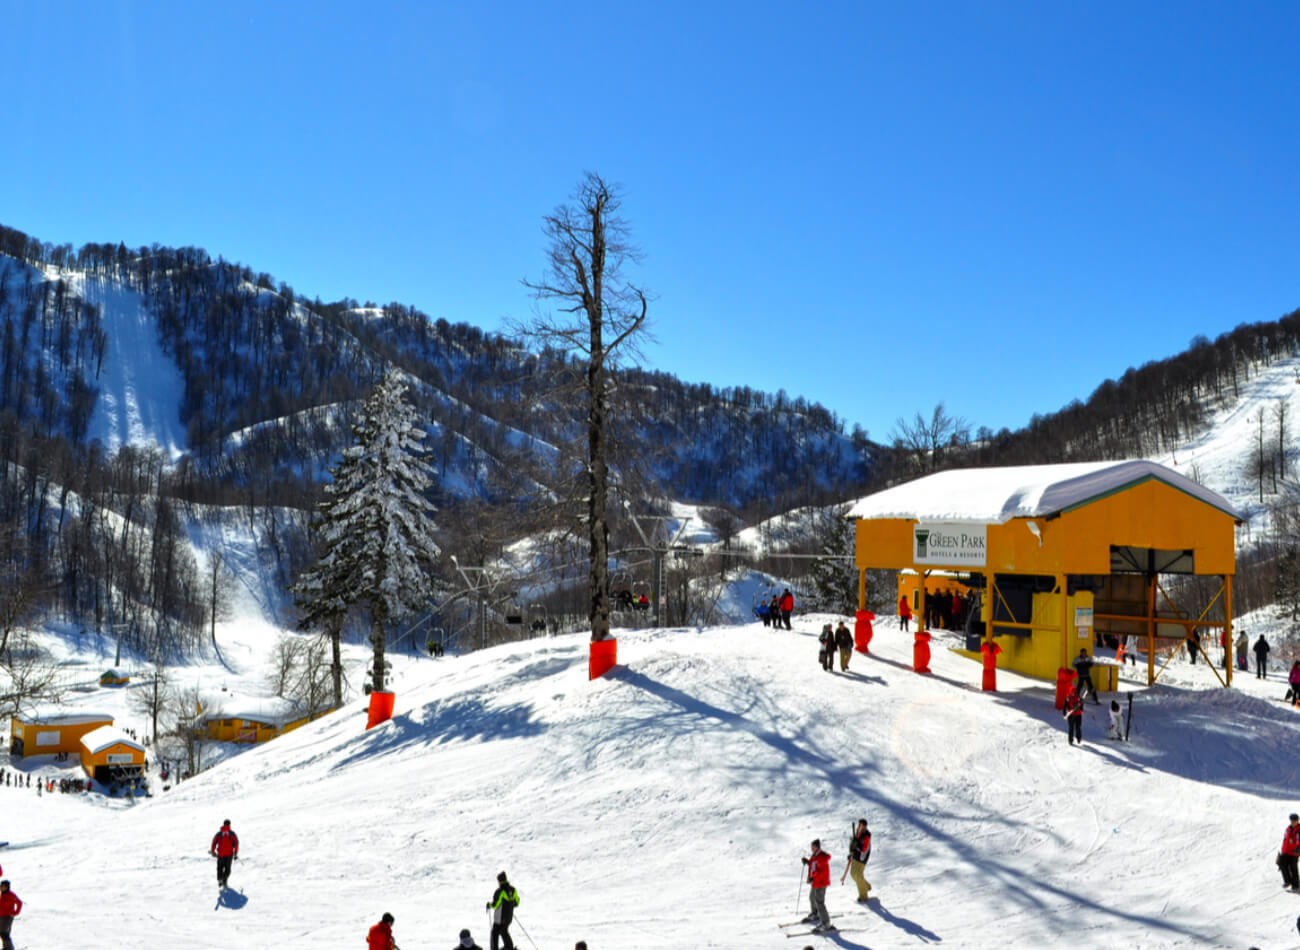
x=604 y=657
x=381 y=707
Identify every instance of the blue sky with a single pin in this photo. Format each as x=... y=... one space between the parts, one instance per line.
x=879 y=207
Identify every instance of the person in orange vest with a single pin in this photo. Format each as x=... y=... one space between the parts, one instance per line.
x=819 y=878
x=10 y=907
x=381 y=934
x=1073 y=713
x=225 y=848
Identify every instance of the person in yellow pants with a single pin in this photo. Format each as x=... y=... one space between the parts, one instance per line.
x=859 y=854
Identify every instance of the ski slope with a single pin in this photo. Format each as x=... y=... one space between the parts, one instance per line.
x=668 y=804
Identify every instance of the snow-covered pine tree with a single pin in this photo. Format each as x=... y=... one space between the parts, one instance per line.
x=375 y=525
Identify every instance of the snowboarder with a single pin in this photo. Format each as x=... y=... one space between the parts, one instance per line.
x=1289 y=856
x=859 y=854
x=1261 y=658
x=844 y=640
x=10 y=907
x=504 y=901
x=1073 y=713
x=1116 y=728
x=819 y=878
x=381 y=935
x=225 y=848
x=466 y=942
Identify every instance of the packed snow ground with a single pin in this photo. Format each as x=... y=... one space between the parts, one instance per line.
x=667 y=805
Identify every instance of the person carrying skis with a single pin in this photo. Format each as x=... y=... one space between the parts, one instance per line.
x=225 y=848
x=859 y=854
x=1073 y=713
x=819 y=878
x=10 y=907
x=503 y=903
x=381 y=934
x=1289 y=856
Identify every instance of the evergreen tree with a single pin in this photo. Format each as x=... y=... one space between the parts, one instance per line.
x=834 y=576
x=375 y=525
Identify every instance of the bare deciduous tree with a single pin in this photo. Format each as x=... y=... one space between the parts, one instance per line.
x=926 y=440
x=599 y=315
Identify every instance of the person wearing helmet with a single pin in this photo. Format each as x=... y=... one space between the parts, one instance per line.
x=504 y=901
x=225 y=848
x=466 y=942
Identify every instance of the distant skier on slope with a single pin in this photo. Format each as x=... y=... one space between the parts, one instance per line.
x=859 y=855
x=380 y=936
x=1073 y=713
x=1289 y=856
x=819 y=878
x=503 y=903
x=225 y=848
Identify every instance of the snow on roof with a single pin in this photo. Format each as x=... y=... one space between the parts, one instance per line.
x=273 y=710
x=54 y=716
x=996 y=495
x=100 y=739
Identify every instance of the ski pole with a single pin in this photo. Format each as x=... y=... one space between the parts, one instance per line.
x=524 y=932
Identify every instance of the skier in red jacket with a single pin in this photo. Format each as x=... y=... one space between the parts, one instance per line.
x=225 y=848
x=381 y=934
x=1290 y=854
x=10 y=907
x=1073 y=713
x=819 y=878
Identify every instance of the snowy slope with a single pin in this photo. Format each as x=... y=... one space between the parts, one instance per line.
x=668 y=806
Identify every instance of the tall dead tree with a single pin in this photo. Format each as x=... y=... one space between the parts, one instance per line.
x=598 y=316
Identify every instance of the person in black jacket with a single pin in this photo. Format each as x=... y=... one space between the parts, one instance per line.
x=859 y=854
x=1083 y=667
x=466 y=942
x=844 y=640
x=504 y=901
x=1261 y=658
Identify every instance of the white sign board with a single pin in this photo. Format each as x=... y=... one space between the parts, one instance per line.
x=950 y=545
x=119 y=758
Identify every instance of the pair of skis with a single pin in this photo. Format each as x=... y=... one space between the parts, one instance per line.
x=786 y=929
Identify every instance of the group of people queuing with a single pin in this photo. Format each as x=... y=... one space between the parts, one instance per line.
x=946 y=609
x=776 y=611
x=833 y=640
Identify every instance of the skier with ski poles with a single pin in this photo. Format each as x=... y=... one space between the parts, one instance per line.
x=502 y=905
x=819 y=878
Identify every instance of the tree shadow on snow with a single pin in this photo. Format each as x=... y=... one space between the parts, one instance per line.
x=1057 y=907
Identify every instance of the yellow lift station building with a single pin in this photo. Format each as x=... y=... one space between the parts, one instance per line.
x=1062 y=556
